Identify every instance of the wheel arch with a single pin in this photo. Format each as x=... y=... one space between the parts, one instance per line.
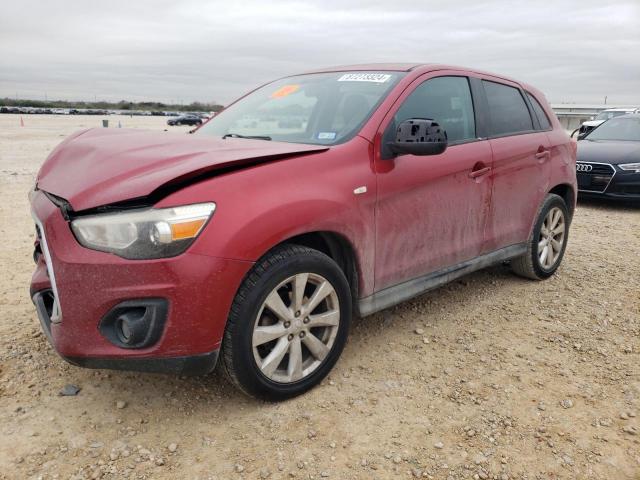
x=339 y=249
x=567 y=193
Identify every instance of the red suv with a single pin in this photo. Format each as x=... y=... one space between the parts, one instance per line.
x=314 y=198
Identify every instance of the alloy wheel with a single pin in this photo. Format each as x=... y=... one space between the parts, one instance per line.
x=551 y=240
x=296 y=328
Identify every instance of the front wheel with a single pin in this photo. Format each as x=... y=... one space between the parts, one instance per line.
x=547 y=242
x=288 y=323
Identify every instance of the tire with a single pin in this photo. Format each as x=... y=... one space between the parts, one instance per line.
x=256 y=315
x=531 y=265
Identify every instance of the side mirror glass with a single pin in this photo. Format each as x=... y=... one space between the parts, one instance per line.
x=419 y=136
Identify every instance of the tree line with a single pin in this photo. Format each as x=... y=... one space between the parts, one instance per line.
x=121 y=105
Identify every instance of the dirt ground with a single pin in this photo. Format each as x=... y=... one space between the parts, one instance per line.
x=491 y=377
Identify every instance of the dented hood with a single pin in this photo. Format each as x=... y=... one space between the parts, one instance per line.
x=103 y=166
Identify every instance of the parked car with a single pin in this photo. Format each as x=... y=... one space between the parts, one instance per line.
x=608 y=160
x=603 y=116
x=188 y=119
x=253 y=246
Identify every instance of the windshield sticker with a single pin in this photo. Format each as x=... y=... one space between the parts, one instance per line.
x=326 y=135
x=365 y=77
x=284 y=91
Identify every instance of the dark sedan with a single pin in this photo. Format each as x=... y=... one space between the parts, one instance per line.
x=185 y=120
x=608 y=161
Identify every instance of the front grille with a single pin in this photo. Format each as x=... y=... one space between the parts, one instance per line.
x=37 y=248
x=56 y=316
x=594 y=177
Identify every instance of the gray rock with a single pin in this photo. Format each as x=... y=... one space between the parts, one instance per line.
x=265 y=473
x=566 y=403
x=69 y=390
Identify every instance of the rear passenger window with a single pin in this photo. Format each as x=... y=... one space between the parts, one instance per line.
x=545 y=124
x=507 y=110
x=447 y=100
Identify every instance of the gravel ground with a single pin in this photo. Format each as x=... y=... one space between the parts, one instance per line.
x=491 y=377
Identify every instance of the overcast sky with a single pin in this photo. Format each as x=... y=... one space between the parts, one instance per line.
x=181 y=51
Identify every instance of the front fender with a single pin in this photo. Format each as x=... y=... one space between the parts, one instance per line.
x=264 y=205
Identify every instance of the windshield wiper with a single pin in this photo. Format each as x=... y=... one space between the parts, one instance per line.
x=252 y=137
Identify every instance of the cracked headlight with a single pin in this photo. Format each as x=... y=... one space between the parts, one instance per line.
x=143 y=234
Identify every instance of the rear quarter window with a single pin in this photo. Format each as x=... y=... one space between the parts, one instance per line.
x=545 y=123
x=508 y=112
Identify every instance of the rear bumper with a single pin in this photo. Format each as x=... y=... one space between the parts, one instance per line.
x=196 y=289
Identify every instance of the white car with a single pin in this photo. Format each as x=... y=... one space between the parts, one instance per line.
x=602 y=117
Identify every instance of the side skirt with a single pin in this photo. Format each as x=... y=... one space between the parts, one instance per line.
x=404 y=291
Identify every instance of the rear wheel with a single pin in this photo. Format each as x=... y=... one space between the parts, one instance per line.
x=547 y=243
x=288 y=323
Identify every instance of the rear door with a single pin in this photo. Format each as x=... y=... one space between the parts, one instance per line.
x=521 y=166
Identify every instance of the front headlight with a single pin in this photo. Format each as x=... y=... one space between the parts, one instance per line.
x=143 y=234
x=631 y=167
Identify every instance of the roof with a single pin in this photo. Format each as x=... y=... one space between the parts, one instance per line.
x=384 y=67
x=408 y=67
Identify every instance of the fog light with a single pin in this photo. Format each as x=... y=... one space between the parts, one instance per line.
x=131 y=327
x=135 y=323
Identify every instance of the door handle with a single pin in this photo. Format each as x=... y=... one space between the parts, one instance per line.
x=542 y=154
x=479 y=172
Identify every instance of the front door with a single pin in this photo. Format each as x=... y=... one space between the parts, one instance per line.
x=431 y=210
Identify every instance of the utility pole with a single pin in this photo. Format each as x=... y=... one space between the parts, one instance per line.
x=605 y=99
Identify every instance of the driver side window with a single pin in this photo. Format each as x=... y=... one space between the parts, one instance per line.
x=447 y=100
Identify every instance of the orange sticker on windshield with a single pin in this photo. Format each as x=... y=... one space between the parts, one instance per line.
x=284 y=91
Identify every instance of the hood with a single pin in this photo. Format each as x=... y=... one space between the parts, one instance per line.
x=103 y=166
x=608 y=151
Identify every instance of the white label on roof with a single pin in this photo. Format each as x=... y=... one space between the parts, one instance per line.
x=365 y=77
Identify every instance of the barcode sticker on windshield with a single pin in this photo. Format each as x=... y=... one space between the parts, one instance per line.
x=365 y=77
x=326 y=135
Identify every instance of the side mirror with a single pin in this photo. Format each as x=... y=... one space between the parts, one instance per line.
x=419 y=136
x=580 y=135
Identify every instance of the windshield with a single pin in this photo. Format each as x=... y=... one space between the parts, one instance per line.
x=321 y=109
x=626 y=129
x=608 y=115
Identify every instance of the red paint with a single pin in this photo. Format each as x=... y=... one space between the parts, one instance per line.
x=419 y=214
